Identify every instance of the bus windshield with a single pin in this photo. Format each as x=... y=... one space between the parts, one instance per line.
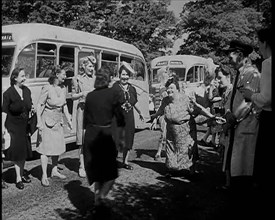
x=180 y=72
x=7 y=56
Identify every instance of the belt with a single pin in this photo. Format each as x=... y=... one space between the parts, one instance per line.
x=101 y=126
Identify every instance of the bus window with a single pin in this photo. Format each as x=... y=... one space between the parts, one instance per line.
x=46 y=58
x=66 y=61
x=140 y=70
x=110 y=62
x=190 y=75
x=7 y=55
x=26 y=59
x=180 y=72
x=155 y=74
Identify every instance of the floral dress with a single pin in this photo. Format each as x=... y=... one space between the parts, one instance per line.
x=181 y=140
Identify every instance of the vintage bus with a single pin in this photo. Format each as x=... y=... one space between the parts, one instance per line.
x=189 y=69
x=37 y=47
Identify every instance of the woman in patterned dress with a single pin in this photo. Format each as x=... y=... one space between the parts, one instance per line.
x=180 y=113
x=51 y=106
x=128 y=101
x=82 y=84
x=17 y=104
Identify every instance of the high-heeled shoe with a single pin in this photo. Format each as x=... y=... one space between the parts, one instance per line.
x=57 y=174
x=45 y=182
x=19 y=185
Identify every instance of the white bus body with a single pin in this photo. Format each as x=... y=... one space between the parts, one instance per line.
x=189 y=69
x=36 y=47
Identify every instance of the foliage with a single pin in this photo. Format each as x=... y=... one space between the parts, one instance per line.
x=144 y=23
x=213 y=24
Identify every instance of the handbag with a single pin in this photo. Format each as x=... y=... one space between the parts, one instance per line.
x=6 y=140
x=32 y=124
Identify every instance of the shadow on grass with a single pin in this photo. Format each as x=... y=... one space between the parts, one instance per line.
x=82 y=199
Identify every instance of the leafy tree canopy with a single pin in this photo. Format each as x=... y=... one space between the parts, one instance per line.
x=144 y=23
x=212 y=24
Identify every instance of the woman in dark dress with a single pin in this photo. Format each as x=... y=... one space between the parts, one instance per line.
x=17 y=104
x=128 y=99
x=99 y=147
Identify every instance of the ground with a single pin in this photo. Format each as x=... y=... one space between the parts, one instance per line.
x=141 y=194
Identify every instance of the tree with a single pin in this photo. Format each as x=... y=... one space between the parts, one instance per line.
x=146 y=24
x=211 y=25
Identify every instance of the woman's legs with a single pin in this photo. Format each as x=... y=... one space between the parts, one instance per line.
x=44 y=165
x=81 y=171
x=125 y=159
x=102 y=190
x=19 y=168
x=55 y=170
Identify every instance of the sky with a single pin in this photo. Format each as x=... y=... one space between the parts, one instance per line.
x=176 y=6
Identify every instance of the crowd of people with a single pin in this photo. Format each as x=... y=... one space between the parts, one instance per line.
x=236 y=114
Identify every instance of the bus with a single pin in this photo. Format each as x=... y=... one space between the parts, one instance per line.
x=189 y=69
x=36 y=47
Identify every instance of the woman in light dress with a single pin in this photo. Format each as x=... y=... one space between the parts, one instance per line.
x=82 y=84
x=50 y=109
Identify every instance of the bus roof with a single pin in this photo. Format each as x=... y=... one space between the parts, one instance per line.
x=30 y=32
x=186 y=59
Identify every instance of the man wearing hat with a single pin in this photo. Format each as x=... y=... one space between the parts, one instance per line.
x=241 y=128
x=82 y=84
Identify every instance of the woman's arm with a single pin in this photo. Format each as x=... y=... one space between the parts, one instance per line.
x=76 y=93
x=139 y=112
x=68 y=116
x=41 y=106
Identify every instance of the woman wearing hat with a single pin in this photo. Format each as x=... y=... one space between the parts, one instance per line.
x=128 y=100
x=82 y=84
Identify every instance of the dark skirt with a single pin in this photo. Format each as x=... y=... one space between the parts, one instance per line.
x=100 y=155
x=129 y=129
x=20 y=148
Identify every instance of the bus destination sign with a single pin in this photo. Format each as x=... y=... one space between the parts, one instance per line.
x=162 y=63
x=176 y=62
x=6 y=37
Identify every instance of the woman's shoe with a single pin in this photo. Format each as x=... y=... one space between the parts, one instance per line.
x=4 y=185
x=127 y=166
x=26 y=179
x=57 y=174
x=45 y=182
x=19 y=185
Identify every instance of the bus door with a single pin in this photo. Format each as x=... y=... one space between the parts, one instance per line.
x=194 y=79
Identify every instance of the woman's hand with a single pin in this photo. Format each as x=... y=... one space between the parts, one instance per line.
x=141 y=117
x=154 y=125
x=39 y=126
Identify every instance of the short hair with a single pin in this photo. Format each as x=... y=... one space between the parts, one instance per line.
x=53 y=75
x=15 y=74
x=173 y=80
x=102 y=79
x=265 y=35
x=208 y=78
x=221 y=69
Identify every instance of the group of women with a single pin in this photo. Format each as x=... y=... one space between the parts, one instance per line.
x=99 y=103
x=17 y=104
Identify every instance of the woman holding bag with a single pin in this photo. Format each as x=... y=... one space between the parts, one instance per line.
x=50 y=109
x=17 y=104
